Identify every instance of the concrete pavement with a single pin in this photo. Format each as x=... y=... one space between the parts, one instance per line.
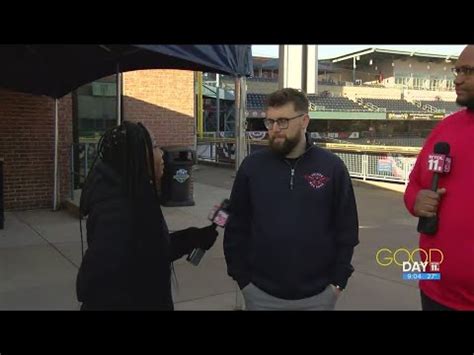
x=40 y=252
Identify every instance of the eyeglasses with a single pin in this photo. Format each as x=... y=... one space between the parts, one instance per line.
x=467 y=71
x=282 y=123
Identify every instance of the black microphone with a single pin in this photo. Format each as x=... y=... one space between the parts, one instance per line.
x=439 y=163
x=219 y=216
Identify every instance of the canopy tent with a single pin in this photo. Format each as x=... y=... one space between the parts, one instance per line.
x=56 y=70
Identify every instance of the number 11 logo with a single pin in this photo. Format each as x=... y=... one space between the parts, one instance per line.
x=433 y=164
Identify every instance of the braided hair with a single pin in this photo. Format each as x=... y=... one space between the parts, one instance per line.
x=128 y=149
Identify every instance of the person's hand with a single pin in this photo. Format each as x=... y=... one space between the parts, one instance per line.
x=186 y=240
x=204 y=238
x=427 y=201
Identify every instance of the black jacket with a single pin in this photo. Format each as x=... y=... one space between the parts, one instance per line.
x=291 y=235
x=127 y=264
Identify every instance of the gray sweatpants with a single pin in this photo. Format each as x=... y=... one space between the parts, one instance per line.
x=258 y=300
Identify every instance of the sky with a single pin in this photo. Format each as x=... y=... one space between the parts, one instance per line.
x=329 y=51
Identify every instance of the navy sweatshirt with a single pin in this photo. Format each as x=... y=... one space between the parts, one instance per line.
x=292 y=230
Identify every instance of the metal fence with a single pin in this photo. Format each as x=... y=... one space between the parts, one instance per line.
x=384 y=166
x=390 y=141
x=373 y=165
x=82 y=157
x=220 y=150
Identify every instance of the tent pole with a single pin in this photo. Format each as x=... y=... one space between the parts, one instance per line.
x=119 y=95
x=56 y=144
x=200 y=119
x=240 y=120
x=218 y=106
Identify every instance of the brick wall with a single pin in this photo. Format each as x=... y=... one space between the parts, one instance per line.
x=27 y=145
x=163 y=100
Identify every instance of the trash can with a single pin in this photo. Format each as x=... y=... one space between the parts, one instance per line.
x=176 y=183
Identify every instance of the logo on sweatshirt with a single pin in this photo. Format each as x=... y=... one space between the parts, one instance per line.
x=316 y=180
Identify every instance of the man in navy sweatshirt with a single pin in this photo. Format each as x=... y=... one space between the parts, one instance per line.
x=293 y=219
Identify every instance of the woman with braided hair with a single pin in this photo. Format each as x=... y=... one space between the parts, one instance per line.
x=128 y=262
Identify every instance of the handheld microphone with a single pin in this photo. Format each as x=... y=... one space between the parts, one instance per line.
x=219 y=215
x=439 y=163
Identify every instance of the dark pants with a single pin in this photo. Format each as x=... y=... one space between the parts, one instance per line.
x=427 y=304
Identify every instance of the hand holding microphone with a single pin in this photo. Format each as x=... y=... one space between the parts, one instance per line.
x=218 y=215
x=427 y=201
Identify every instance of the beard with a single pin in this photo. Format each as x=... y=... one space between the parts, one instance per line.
x=286 y=146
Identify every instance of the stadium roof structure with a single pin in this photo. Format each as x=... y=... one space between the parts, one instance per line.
x=368 y=54
x=273 y=64
x=211 y=91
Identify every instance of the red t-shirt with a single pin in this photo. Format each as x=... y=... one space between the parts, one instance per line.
x=455 y=235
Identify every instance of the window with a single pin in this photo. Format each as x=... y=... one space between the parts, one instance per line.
x=96 y=107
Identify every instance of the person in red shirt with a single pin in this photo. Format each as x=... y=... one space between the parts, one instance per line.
x=455 y=234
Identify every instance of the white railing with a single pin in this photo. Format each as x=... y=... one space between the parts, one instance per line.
x=384 y=167
x=381 y=166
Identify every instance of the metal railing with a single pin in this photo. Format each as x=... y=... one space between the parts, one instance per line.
x=220 y=150
x=82 y=158
x=384 y=162
x=401 y=141
x=384 y=167
x=325 y=109
x=368 y=162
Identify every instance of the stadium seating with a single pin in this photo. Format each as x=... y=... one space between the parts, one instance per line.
x=256 y=101
x=393 y=105
x=258 y=79
x=335 y=103
x=449 y=106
